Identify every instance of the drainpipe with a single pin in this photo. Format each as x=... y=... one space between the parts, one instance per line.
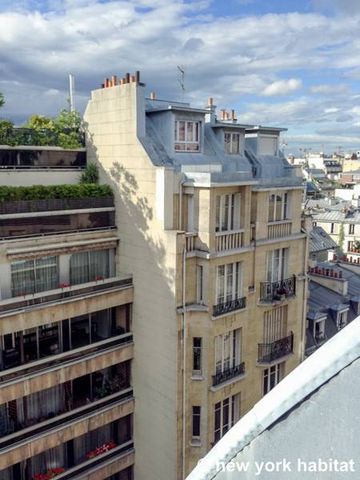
x=184 y=329
x=180 y=202
x=303 y=333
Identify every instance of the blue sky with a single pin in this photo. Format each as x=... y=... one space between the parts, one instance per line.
x=292 y=63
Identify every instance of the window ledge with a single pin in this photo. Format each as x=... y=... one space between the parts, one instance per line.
x=197 y=377
x=194 y=442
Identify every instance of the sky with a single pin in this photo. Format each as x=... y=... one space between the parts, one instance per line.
x=287 y=63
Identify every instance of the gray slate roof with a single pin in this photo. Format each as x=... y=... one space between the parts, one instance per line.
x=319 y=240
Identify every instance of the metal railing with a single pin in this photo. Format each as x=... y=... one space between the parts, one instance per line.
x=52 y=204
x=279 y=290
x=62 y=421
x=230 y=306
x=64 y=359
x=269 y=352
x=228 y=374
x=63 y=294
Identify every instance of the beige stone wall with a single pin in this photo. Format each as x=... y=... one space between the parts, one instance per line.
x=115 y=123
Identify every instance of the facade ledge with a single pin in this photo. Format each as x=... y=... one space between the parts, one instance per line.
x=274 y=303
x=234 y=312
x=195 y=443
x=197 y=377
x=274 y=362
x=268 y=241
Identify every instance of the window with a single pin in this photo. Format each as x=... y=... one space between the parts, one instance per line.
x=200 y=284
x=89 y=266
x=229 y=282
x=276 y=264
x=272 y=376
x=341 y=320
x=332 y=228
x=232 y=142
x=227 y=212
x=196 y=419
x=278 y=207
x=197 y=345
x=275 y=324
x=226 y=414
x=319 y=329
x=350 y=245
x=187 y=136
x=351 y=229
x=31 y=276
x=227 y=351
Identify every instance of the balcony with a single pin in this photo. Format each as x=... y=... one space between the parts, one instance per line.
x=269 y=352
x=279 y=229
x=41 y=158
x=277 y=291
x=230 y=306
x=64 y=294
x=232 y=240
x=228 y=374
x=65 y=426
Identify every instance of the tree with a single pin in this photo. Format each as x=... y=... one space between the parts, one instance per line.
x=2 y=100
x=39 y=122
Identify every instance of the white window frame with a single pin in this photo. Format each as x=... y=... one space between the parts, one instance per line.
x=230 y=409
x=277 y=262
x=321 y=324
x=341 y=319
x=232 y=147
x=282 y=198
x=228 y=283
x=227 y=350
x=191 y=128
x=228 y=210
x=272 y=376
x=351 y=228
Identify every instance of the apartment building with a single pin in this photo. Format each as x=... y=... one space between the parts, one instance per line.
x=66 y=398
x=208 y=212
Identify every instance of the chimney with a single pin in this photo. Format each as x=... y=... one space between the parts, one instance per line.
x=210 y=101
x=114 y=80
x=211 y=116
x=133 y=79
x=127 y=78
x=152 y=96
x=137 y=76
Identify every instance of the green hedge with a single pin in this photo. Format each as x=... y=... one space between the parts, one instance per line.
x=41 y=192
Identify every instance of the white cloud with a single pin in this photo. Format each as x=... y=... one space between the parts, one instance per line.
x=282 y=87
x=325 y=89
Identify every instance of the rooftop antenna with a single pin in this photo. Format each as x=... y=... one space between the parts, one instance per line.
x=71 y=92
x=181 y=79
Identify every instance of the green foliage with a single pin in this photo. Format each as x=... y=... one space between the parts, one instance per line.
x=39 y=122
x=5 y=133
x=40 y=192
x=2 y=100
x=67 y=120
x=90 y=174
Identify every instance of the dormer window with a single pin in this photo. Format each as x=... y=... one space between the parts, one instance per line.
x=319 y=329
x=187 y=136
x=232 y=142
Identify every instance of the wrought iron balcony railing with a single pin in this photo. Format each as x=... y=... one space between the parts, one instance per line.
x=279 y=290
x=230 y=306
x=228 y=374
x=269 y=352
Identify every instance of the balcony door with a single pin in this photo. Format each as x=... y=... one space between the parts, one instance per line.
x=227 y=351
x=277 y=264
